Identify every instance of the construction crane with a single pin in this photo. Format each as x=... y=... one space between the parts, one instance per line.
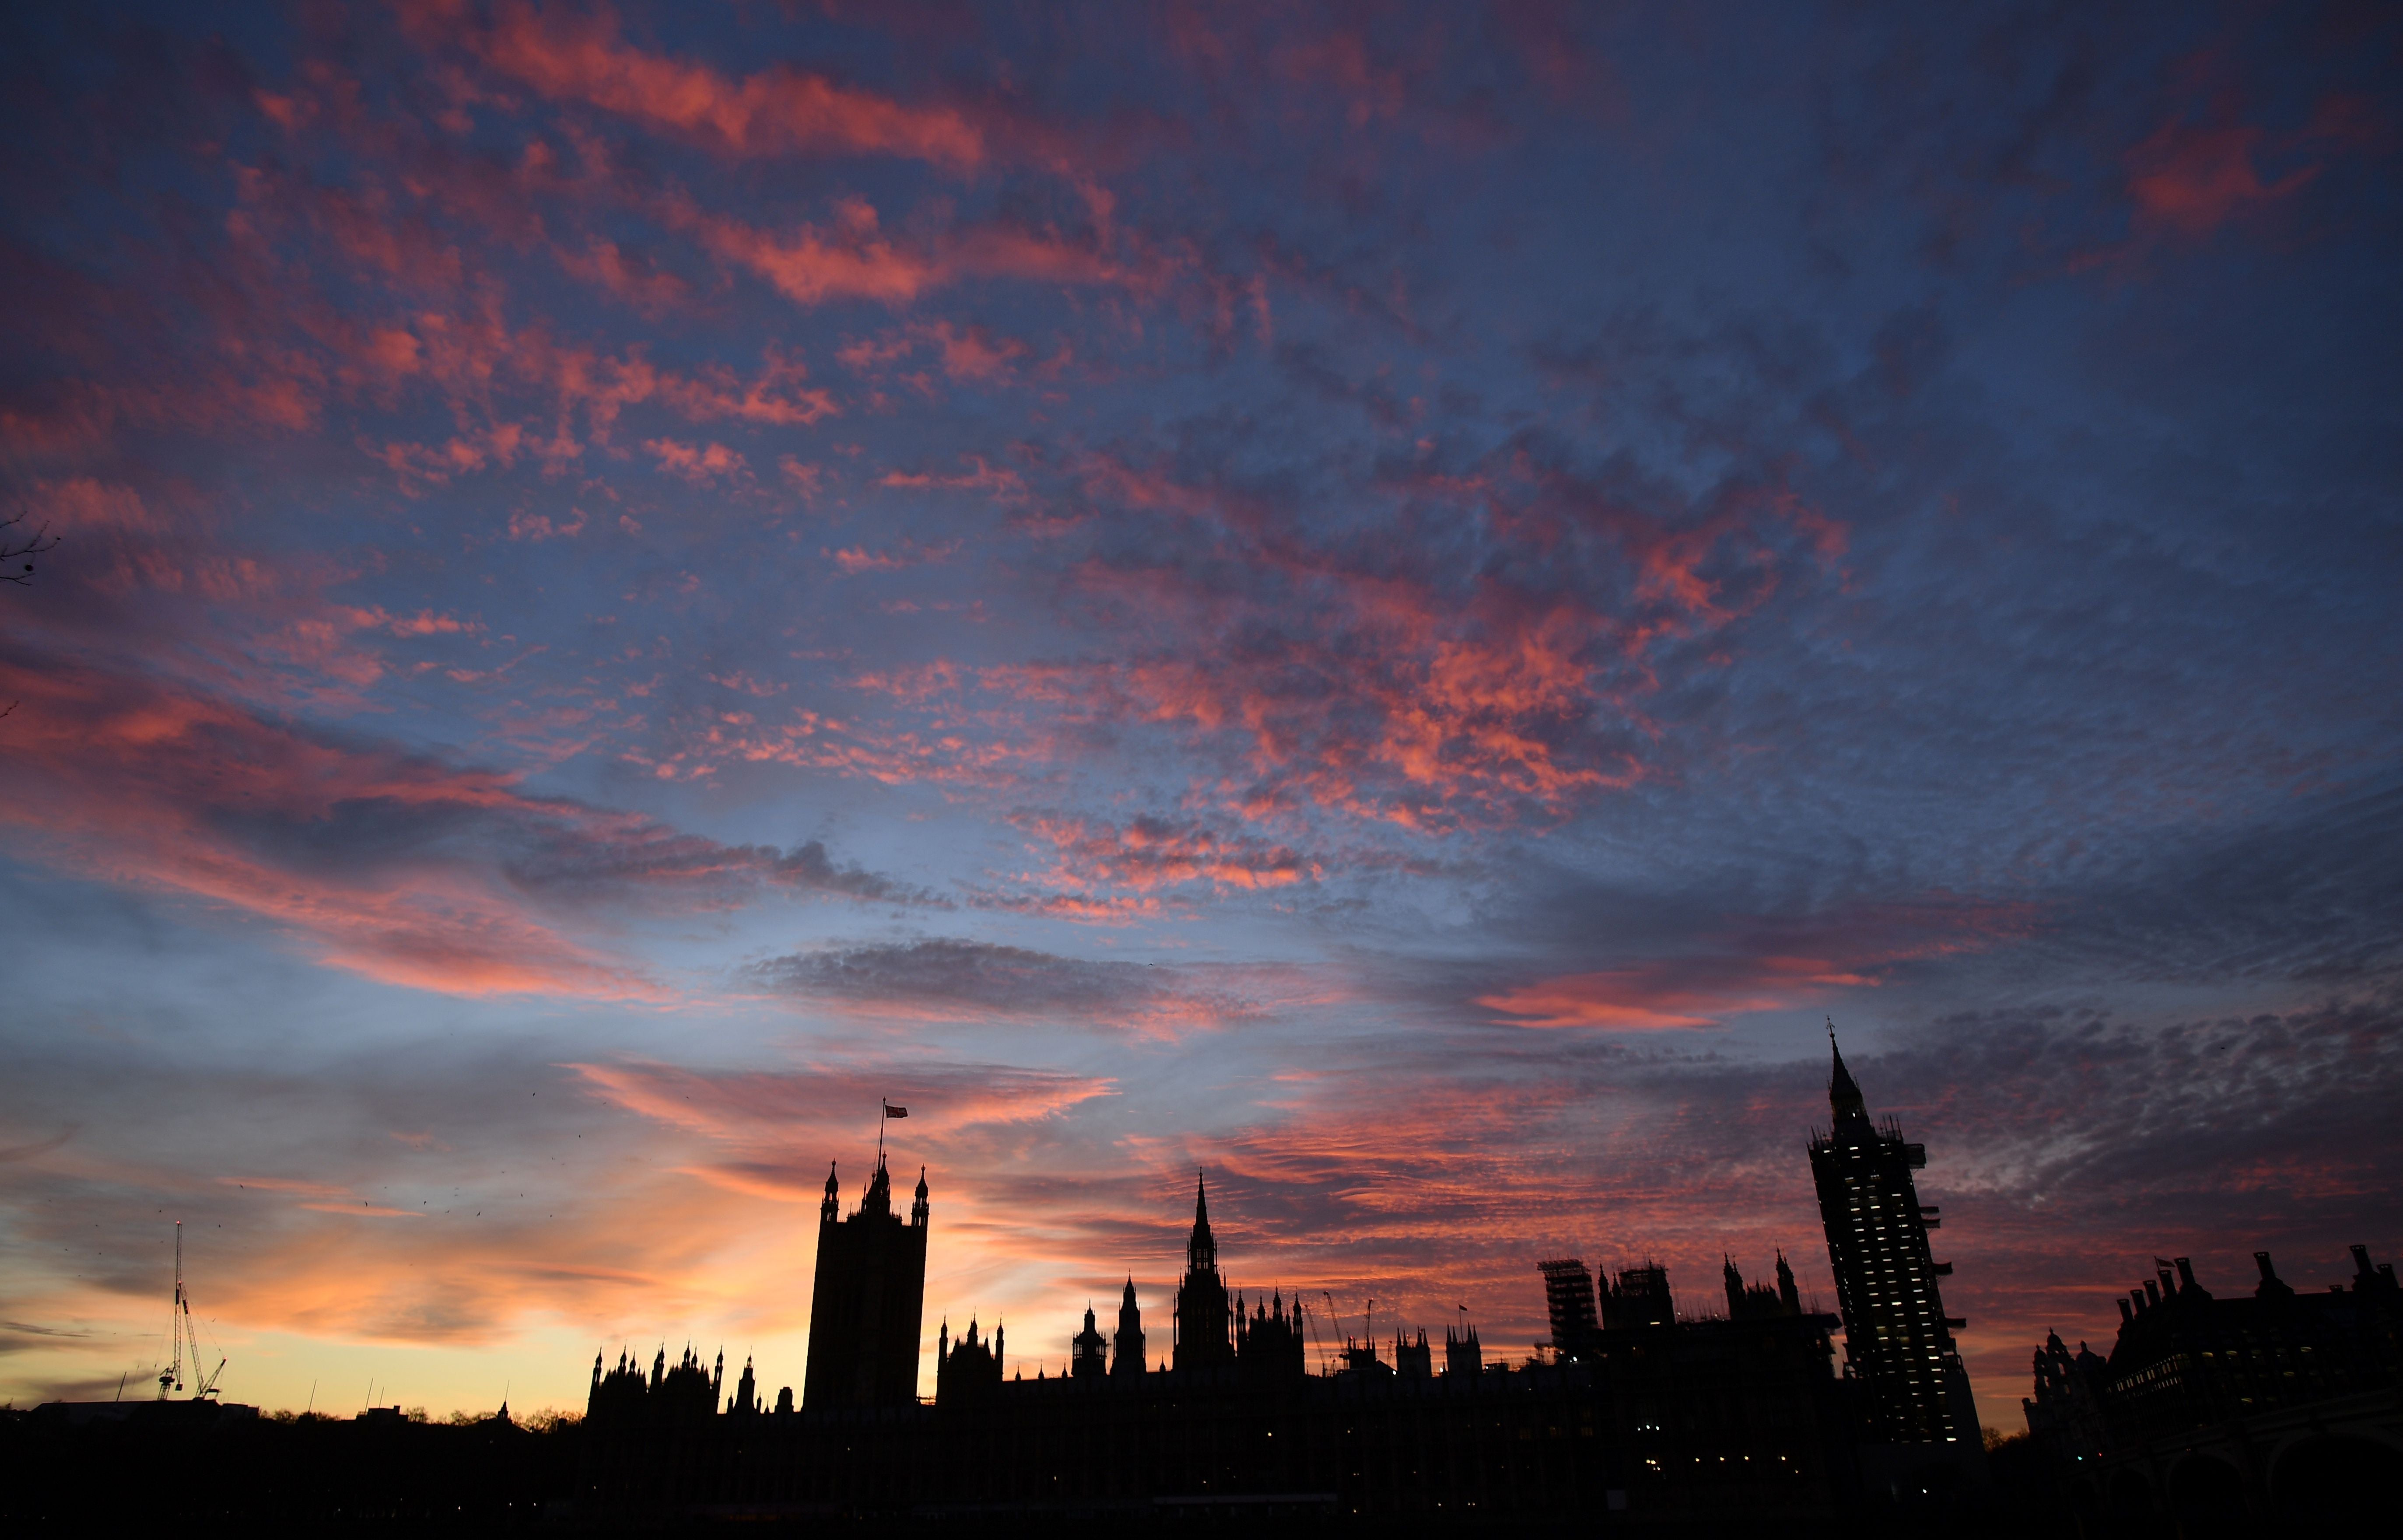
x=1360 y=1353
x=181 y=1331
x=1325 y=1367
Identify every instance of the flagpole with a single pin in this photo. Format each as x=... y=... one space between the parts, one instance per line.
x=880 y=1116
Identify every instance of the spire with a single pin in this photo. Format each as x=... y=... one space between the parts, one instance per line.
x=1202 y=1250
x=918 y=1208
x=1843 y=1094
x=831 y=1210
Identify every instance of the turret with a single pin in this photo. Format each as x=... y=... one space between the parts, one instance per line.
x=917 y=1209
x=831 y=1210
x=1462 y=1355
x=1089 y=1351
x=1126 y=1351
x=1787 y=1295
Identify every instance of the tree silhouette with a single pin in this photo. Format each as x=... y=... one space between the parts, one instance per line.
x=17 y=553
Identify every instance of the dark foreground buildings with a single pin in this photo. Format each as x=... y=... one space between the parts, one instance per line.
x=2227 y=1413
x=1699 y=1420
x=1635 y=1414
x=2214 y=1411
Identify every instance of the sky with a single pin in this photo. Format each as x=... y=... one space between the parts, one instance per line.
x=1397 y=605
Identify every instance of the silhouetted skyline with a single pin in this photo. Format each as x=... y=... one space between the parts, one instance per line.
x=1389 y=602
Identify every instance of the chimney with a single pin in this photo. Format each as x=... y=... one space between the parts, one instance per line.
x=2153 y=1290
x=2126 y=1315
x=2138 y=1296
x=2268 y=1273
x=2185 y=1272
x=2361 y=1268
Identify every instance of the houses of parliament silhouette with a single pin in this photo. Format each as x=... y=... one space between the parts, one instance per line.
x=1631 y=1408
x=2259 y=1409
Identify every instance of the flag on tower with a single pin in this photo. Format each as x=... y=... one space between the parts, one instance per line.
x=892 y=1111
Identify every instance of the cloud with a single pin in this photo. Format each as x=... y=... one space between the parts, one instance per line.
x=950 y=980
x=388 y=864
x=852 y=560
x=802 y=1112
x=38 y=1148
x=777 y=111
x=2195 y=177
x=702 y=466
x=854 y=258
x=1148 y=852
x=1650 y=999
x=1369 y=678
x=1753 y=963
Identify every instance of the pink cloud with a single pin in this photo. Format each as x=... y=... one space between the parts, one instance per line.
x=2193 y=178
x=699 y=465
x=160 y=787
x=855 y=558
x=1000 y=480
x=1146 y=854
x=777 y=111
x=1765 y=966
x=541 y=526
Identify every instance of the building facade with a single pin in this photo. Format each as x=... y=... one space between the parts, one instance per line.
x=968 y=1369
x=2212 y=1412
x=1203 y=1315
x=2186 y=1358
x=1269 y=1342
x=1638 y=1297
x=1898 y=1340
x=868 y=1302
x=1753 y=1301
x=1676 y=1424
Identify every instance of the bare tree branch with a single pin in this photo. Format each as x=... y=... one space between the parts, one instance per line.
x=17 y=551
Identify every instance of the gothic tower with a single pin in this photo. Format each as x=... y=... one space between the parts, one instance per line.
x=1126 y=1350
x=1088 y=1350
x=1898 y=1340
x=870 y=1300
x=1202 y=1319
